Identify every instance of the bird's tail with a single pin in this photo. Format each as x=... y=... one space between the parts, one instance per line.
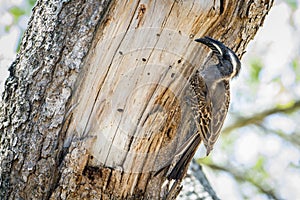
x=184 y=156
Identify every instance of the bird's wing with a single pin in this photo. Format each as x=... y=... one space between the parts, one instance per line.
x=220 y=103
x=201 y=106
x=197 y=99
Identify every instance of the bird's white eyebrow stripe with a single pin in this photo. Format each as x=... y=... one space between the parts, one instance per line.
x=234 y=63
x=219 y=49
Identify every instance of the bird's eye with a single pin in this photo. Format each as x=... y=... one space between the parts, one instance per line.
x=226 y=57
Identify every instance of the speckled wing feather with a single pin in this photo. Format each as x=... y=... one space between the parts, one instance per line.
x=197 y=95
x=220 y=102
x=209 y=109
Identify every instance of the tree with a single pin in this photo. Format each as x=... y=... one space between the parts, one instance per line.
x=93 y=104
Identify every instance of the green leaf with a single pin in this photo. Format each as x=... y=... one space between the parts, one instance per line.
x=258 y=171
x=296 y=67
x=292 y=3
x=256 y=67
x=259 y=163
x=16 y=12
x=287 y=105
x=7 y=28
x=31 y=2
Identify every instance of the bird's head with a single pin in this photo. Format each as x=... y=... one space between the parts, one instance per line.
x=229 y=64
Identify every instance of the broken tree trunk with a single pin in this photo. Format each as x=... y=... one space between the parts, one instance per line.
x=94 y=104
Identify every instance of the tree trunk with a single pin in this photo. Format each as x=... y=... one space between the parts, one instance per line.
x=94 y=104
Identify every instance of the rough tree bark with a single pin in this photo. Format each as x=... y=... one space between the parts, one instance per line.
x=94 y=102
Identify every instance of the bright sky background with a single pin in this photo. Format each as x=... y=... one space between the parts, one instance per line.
x=275 y=45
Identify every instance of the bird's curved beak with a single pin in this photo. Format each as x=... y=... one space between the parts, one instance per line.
x=214 y=45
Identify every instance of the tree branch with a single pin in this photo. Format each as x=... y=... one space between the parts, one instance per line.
x=243 y=177
x=291 y=138
x=258 y=117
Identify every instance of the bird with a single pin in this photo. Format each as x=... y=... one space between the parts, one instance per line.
x=208 y=93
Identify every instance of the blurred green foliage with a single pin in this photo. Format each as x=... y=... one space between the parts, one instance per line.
x=19 y=11
x=296 y=68
x=292 y=3
x=256 y=67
